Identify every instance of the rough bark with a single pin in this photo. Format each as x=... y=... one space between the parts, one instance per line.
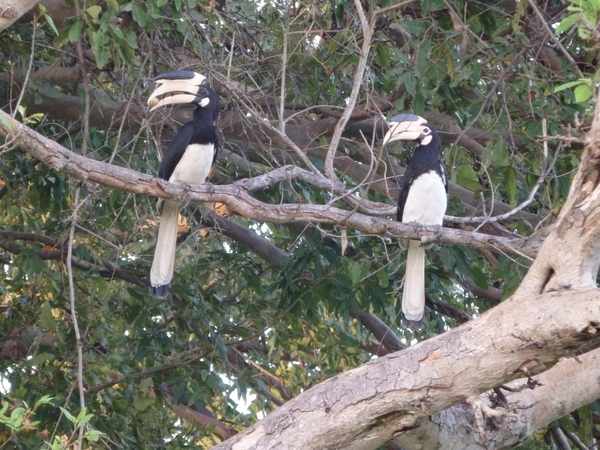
x=572 y=383
x=367 y=406
x=555 y=308
x=11 y=10
x=576 y=233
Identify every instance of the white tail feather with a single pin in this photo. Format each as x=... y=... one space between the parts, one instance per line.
x=164 y=255
x=413 y=297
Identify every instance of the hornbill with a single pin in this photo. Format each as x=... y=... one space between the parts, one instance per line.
x=422 y=199
x=187 y=158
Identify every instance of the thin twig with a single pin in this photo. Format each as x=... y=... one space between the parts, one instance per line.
x=76 y=206
x=393 y=7
x=22 y=93
x=516 y=209
x=554 y=39
x=283 y=72
x=492 y=91
x=126 y=112
x=367 y=26
x=237 y=93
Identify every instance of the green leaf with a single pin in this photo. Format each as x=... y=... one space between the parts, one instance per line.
x=94 y=11
x=75 y=31
x=83 y=418
x=428 y=6
x=414 y=28
x=46 y=318
x=496 y=155
x=510 y=184
x=68 y=415
x=582 y=93
x=50 y=22
x=467 y=178
x=139 y=14
x=568 y=85
x=44 y=400
x=93 y=435
x=567 y=23
x=382 y=278
x=339 y=15
x=419 y=103
x=410 y=83
x=6 y=121
x=16 y=417
x=5 y=406
x=478 y=276
x=141 y=402
x=100 y=47
x=131 y=39
x=113 y=4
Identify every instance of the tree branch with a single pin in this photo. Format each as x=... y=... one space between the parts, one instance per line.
x=398 y=390
x=238 y=199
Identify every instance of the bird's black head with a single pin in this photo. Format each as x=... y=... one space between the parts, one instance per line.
x=408 y=127
x=187 y=87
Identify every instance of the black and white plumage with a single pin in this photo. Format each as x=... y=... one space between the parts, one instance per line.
x=422 y=199
x=188 y=158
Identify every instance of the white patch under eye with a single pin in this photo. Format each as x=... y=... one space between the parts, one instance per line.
x=426 y=140
x=205 y=101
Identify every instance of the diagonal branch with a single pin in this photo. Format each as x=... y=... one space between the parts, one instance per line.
x=239 y=200
x=367 y=30
x=389 y=396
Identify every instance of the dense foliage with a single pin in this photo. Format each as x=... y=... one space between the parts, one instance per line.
x=244 y=333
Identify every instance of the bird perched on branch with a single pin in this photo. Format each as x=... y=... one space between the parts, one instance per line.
x=422 y=199
x=188 y=158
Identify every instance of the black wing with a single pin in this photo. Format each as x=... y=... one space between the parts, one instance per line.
x=407 y=180
x=175 y=150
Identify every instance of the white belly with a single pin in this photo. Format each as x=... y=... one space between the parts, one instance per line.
x=426 y=202
x=194 y=166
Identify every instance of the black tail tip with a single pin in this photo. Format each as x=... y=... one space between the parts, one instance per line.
x=413 y=324
x=160 y=291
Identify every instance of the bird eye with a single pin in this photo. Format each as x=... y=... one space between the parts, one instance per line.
x=426 y=130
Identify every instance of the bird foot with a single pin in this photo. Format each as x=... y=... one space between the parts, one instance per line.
x=428 y=241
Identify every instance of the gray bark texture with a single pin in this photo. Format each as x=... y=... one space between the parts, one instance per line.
x=572 y=383
x=11 y=10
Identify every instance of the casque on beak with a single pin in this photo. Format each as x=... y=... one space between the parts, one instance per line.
x=176 y=81
x=406 y=127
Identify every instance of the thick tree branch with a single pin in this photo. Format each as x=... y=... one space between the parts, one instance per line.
x=388 y=397
x=238 y=199
x=380 y=331
x=108 y=269
x=235 y=124
x=576 y=232
x=11 y=10
x=529 y=406
x=195 y=414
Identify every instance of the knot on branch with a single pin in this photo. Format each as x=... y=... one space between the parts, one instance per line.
x=9 y=13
